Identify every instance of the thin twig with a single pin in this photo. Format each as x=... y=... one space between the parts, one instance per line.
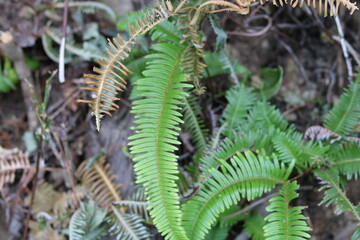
x=251 y=206
x=350 y=48
x=343 y=46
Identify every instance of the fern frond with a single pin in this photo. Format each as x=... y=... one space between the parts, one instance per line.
x=12 y=160
x=265 y=116
x=136 y=204
x=284 y=222
x=68 y=199
x=246 y=175
x=110 y=77
x=347 y=160
x=195 y=124
x=127 y=226
x=153 y=144
x=333 y=192
x=228 y=148
x=290 y=146
x=88 y=222
x=254 y=227
x=240 y=100
x=218 y=232
x=324 y=7
x=356 y=234
x=344 y=116
x=100 y=181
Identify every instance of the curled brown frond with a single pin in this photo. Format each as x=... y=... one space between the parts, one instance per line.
x=100 y=182
x=12 y=160
x=109 y=78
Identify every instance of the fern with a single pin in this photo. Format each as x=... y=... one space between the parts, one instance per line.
x=290 y=146
x=158 y=115
x=127 y=226
x=333 y=192
x=194 y=123
x=97 y=177
x=345 y=115
x=283 y=222
x=254 y=227
x=240 y=100
x=356 y=234
x=347 y=160
x=265 y=116
x=88 y=222
x=109 y=78
x=246 y=176
x=218 y=233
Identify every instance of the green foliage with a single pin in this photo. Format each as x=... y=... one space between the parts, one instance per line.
x=334 y=193
x=254 y=227
x=128 y=226
x=246 y=176
x=253 y=150
x=88 y=222
x=271 y=80
x=157 y=116
x=195 y=124
x=344 y=116
x=8 y=76
x=347 y=160
x=284 y=222
x=240 y=100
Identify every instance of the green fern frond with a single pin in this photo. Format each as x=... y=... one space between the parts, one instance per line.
x=127 y=226
x=344 y=116
x=137 y=204
x=195 y=124
x=247 y=175
x=218 y=232
x=228 y=148
x=347 y=160
x=157 y=117
x=88 y=222
x=356 y=234
x=254 y=227
x=240 y=100
x=265 y=116
x=334 y=193
x=290 y=146
x=284 y=222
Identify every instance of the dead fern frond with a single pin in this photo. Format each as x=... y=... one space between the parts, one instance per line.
x=319 y=133
x=109 y=79
x=12 y=160
x=324 y=7
x=100 y=181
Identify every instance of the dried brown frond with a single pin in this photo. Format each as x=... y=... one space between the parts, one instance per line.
x=12 y=160
x=109 y=79
x=193 y=61
x=100 y=182
x=319 y=133
x=324 y=7
x=69 y=200
x=45 y=198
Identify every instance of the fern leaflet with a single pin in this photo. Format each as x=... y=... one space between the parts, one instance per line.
x=347 y=160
